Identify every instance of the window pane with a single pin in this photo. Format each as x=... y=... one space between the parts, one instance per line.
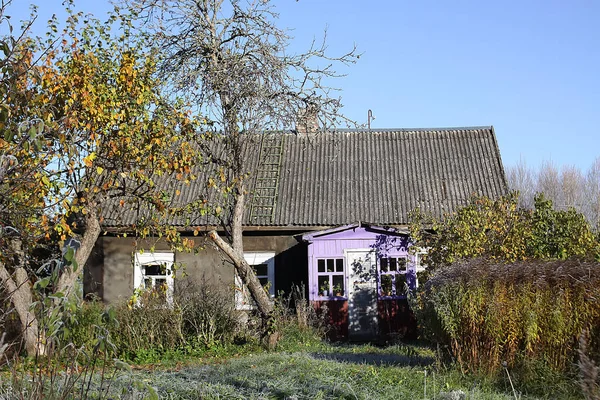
x=402 y=264
x=386 y=285
x=339 y=265
x=147 y=283
x=261 y=269
x=324 y=285
x=401 y=285
x=154 y=269
x=264 y=281
x=330 y=262
x=321 y=265
x=384 y=264
x=338 y=285
x=160 y=288
x=393 y=265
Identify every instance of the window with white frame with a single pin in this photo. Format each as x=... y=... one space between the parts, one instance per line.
x=420 y=267
x=330 y=277
x=154 y=271
x=263 y=264
x=392 y=276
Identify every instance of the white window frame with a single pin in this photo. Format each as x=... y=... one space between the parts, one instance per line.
x=242 y=296
x=419 y=267
x=330 y=294
x=393 y=275
x=163 y=258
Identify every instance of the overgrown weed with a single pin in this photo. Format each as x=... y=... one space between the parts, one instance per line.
x=529 y=315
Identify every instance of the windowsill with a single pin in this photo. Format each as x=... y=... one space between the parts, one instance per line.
x=394 y=297
x=328 y=298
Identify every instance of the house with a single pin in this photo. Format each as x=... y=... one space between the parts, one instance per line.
x=329 y=211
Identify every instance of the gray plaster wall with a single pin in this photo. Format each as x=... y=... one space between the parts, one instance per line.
x=109 y=274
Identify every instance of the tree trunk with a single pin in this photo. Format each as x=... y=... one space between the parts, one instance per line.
x=69 y=276
x=19 y=291
x=243 y=269
x=236 y=253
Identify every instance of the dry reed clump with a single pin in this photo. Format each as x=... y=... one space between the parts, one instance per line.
x=521 y=313
x=588 y=370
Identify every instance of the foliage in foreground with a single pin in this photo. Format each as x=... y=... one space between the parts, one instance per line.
x=202 y=325
x=203 y=321
x=529 y=315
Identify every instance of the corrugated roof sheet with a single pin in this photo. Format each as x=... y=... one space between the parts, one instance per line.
x=376 y=176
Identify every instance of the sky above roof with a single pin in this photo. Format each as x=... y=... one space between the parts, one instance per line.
x=529 y=68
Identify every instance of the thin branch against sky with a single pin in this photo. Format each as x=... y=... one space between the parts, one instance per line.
x=528 y=68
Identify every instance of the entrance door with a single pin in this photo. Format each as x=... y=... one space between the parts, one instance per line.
x=362 y=294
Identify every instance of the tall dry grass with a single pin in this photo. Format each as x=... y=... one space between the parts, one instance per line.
x=520 y=314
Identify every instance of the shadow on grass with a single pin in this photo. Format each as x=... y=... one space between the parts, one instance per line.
x=377 y=359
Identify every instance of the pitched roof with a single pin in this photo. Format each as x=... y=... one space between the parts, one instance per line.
x=377 y=176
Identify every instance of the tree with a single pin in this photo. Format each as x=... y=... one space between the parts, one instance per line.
x=24 y=156
x=522 y=178
x=232 y=62
x=566 y=187
x=592 y=195
x=501 y=230
x=82 y=123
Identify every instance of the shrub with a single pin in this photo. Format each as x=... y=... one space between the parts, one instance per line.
x=208 y=312
x=81 y=325
x=72 y=359
x=146 y=326
x=527 y=313
x=500 y=230
x=201 y=316
x=297 y=321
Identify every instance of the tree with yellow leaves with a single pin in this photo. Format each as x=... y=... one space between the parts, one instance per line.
x=82 y=123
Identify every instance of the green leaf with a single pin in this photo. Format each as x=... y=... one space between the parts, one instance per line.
x=33 y=132
x=5 y=48
x=42 y=283
x=70 y=254
x=122 y=365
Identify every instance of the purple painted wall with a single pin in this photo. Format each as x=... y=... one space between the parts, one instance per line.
x=383 y=242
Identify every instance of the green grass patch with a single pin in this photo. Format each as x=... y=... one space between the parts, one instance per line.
x=339 y=373
x=319 y=371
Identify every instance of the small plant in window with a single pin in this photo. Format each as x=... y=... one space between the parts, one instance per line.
x=386 y=285
x=324 y=289
x=338 y=290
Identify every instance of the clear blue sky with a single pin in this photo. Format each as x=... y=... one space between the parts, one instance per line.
x=529 y=68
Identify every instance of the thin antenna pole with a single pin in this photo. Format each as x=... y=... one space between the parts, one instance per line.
x=370 y=118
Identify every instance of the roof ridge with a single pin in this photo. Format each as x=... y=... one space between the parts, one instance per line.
x=452 y=128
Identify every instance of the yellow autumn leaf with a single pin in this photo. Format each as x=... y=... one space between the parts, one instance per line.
x=99 y=170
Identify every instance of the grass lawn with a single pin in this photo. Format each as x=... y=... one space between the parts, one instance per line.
x=312 y=370
x=330 y=372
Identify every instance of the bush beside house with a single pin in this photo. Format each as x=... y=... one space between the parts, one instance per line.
x=511 y=288
x=491 y=314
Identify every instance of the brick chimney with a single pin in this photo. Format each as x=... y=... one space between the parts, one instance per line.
x=307 y=121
